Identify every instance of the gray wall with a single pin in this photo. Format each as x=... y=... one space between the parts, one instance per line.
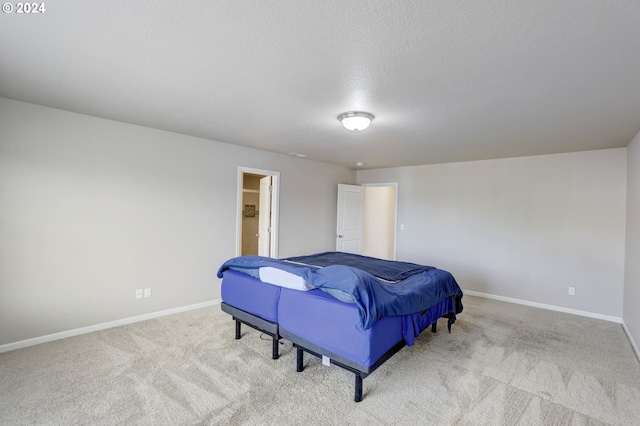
x=523 y=228
x=632 y=270
x=91 y=209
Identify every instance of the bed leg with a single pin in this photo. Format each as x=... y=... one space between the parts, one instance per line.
x=450 y=323
x=358 y=395
x=238 y=325
x=274 y=351
x=434 y=327
x=299 y=359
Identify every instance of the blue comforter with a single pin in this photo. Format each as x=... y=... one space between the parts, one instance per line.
x=388 y=270
x=374 y=298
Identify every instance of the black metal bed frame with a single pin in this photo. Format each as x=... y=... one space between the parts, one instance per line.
x=302 y=345
x=360 y=371
x=253 y=321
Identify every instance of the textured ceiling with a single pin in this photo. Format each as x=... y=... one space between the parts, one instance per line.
x=447 y=80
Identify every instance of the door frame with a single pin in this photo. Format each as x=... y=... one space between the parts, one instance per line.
x=275 y=204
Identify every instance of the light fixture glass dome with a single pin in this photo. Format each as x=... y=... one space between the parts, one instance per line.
x=356 y=120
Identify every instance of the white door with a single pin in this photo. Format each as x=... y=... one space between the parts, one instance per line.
x=350 y=229
x=264 y=220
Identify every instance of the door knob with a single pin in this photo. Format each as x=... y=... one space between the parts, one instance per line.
x=339 y=236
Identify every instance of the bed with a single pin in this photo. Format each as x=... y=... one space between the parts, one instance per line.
x=352 y=311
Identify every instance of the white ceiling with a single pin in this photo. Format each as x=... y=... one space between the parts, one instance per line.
x=448 y=80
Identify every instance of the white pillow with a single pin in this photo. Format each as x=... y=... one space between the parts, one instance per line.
x=275 y=276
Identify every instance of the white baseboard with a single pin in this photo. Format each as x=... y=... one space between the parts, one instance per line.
x=83 y=330
x=545 y=306
x=103 y=326
x=633 y=343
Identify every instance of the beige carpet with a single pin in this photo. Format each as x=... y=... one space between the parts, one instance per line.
x=503 y=364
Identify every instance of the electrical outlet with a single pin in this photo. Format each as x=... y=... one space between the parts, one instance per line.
x=572 y=291
x=139 y=293
x=147 y=292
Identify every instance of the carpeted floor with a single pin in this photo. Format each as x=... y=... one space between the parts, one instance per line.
x=503 y=364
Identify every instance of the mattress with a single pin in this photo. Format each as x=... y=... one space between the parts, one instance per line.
x=423 y=288
x=251 y=295
x=332 y=327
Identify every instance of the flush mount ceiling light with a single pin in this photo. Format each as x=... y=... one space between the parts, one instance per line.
x=356 y=120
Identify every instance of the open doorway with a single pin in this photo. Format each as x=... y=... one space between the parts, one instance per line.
x=257 y=217
x=367 y=219
x=380 y=223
